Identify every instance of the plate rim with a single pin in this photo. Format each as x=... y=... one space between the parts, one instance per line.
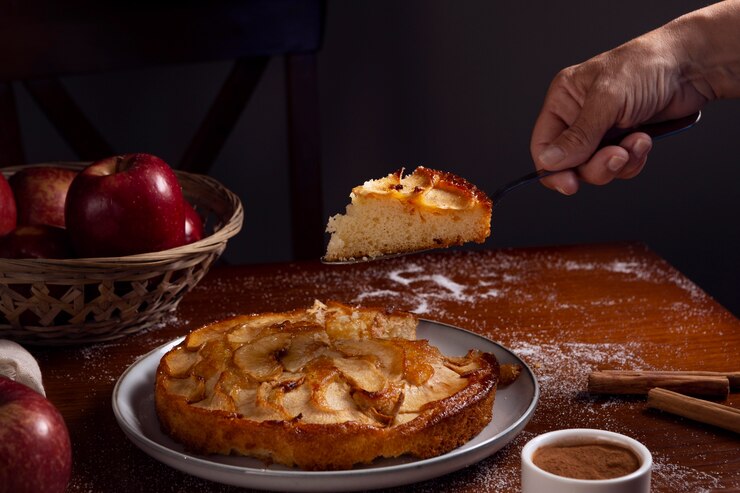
x=148 y=445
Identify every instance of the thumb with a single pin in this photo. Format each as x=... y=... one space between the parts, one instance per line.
x=577 y=143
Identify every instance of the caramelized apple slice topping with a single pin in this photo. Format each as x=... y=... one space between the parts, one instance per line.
x=416 y=364
x=197 y=338
x=259 y=358
x=389 y=357
x=214 y=356
x=361 y=374
x=220 y=400
x=322 y=377
x=463 y=366
x=443 y=383
x=177 y=363
x=303 y=348
x=244 y=333
x=191 y=388
x=381 y=406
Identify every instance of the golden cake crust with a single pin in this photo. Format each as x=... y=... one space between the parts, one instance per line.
x=350 y=401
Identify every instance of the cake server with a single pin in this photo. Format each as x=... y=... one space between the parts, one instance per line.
x=656 y=131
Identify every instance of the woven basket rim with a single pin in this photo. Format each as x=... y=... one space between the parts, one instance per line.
x=230 y=227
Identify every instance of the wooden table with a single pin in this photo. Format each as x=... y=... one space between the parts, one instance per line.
x=564 y=310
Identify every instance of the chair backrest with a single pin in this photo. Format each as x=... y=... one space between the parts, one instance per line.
x=45 y=40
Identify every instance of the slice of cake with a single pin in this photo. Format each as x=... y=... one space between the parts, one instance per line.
x=322 y=389
x=398 y=214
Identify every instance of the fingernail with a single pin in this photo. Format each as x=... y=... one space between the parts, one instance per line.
x=641 y=147
x=562 y=190
x=616 y=163
x=552 y=155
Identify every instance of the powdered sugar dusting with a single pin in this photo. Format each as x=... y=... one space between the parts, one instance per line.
x=673 y=477
x=93 y=358
x=562 y=371
x=638 y=269
x=498 y=473
x=441 y=287
x=427 y=285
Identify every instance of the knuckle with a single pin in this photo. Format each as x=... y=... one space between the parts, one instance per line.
x=575 y=137
x=565 y=77
x=566 y=73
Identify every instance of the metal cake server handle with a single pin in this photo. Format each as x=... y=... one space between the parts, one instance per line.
x=614 y=136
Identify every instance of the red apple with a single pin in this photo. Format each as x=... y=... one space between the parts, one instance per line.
x=36 y=241
x=7 y=207
x=124 y=205
x=40 y=192
x=35 y=450
x=193 y=224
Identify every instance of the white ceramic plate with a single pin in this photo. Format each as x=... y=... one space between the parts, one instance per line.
x=133 y=405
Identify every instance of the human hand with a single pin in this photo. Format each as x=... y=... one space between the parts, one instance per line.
x=640 y=81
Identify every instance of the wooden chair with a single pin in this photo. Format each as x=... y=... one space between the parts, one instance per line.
x=43 y=40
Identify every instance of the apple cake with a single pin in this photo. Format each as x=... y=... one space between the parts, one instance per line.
x=406 y=213
x=323 y=388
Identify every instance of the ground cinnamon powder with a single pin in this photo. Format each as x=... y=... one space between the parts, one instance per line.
x=588 y=461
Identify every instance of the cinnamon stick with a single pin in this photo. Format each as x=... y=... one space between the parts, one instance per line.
x=708 y=412
x=612 y=382
x=732 y=376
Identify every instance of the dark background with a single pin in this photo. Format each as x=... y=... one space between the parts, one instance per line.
x=449 y=84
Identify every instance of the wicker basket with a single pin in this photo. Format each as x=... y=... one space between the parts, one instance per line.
x=72 y=301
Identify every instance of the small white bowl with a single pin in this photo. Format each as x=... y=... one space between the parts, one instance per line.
x=536 y=480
